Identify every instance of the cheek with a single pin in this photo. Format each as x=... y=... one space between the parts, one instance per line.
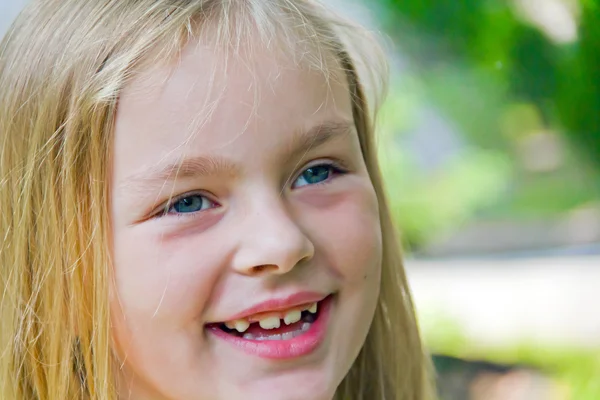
x=347 y=230
x=158 y=279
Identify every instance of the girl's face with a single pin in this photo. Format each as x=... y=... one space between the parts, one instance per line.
x=260 y=277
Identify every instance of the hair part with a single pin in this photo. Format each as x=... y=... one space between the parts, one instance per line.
x=63 y=65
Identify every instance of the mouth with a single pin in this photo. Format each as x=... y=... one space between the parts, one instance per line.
x=277 y=335
x=284 y=325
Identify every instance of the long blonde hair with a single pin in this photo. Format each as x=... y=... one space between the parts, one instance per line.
x=62 y=66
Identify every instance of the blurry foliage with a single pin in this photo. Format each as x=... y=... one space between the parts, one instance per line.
x=499 y=81
x=563 y=80
x=579 y=97
x=487 y=38
x=425 y=202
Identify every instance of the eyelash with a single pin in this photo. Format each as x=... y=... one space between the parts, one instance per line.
x=164 y=210
x=336 y=169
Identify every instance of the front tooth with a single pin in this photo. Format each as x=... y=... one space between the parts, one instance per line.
x=292 y=316
x=270 y=323
x=230 y=324
x=313 y=308
x=241 y=325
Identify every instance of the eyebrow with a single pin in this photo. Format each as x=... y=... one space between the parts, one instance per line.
x=185 y=168
x=302 y=142
x=192 y=167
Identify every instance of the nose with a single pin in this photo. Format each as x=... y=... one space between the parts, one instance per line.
x=270 y=241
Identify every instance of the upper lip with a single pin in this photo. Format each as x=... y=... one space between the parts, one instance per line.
x=280 y=304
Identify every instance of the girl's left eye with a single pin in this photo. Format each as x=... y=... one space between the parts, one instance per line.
x=315 y=174
x=190 y=204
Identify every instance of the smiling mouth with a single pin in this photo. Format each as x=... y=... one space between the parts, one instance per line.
x=281 y=334
x=273 y=326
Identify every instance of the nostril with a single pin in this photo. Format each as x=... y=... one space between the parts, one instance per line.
x=261 y=268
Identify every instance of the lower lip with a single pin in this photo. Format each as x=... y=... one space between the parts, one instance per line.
x=299 y=346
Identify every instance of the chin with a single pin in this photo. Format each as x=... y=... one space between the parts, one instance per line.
x=298 y=391
x=293 y=385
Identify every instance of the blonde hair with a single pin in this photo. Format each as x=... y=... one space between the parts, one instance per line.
x=62 y=66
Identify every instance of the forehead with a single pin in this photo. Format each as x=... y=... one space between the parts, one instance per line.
x=206 y=101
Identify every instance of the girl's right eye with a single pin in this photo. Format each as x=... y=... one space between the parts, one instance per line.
x=190 y=204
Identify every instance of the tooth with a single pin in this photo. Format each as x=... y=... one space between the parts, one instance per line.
x=241 y=325
x=248 y=336
x=305 y=326
x=292 y=316
x=313 y=308
x=287 y=336
x=230 y=325
x=270 y=323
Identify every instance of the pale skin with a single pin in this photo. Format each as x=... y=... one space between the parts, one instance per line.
x=254 y=225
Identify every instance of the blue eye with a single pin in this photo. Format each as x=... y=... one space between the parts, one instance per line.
x=190 y=204
x=314 y=175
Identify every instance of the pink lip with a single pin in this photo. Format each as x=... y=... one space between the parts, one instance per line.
x=281 y=304
x=284 y=349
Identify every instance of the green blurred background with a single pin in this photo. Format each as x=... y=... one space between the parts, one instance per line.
x=517 y=85
x=490 y=145
x=491 y=150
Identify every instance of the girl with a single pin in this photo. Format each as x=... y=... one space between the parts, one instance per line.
x=192 y=208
